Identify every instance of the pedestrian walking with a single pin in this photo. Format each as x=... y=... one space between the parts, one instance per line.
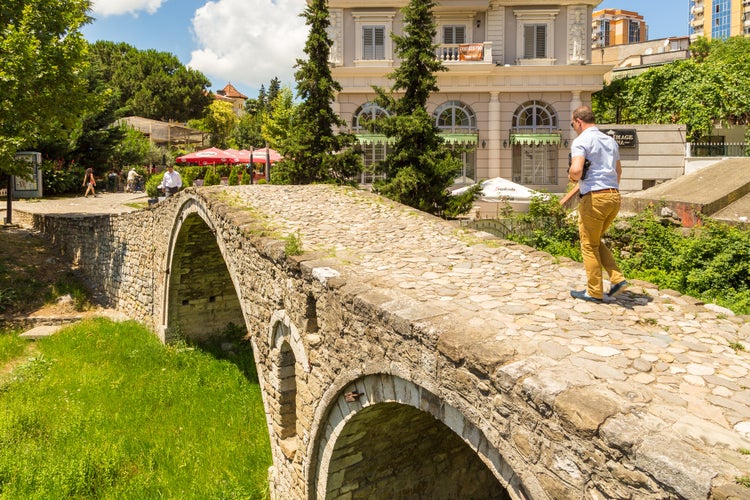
x=89 y=182
x=595 y=165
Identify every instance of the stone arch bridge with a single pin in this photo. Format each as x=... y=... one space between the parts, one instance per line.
x=401 y=356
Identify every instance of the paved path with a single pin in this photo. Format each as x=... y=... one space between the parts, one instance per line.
x=106 y=203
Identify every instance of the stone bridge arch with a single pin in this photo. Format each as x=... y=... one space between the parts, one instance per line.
x=384 y=435
x=200 y=294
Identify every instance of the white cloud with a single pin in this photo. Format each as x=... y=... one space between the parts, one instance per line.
x=249 y=42
x=117 y=7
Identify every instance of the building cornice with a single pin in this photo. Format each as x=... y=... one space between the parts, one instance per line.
x=478 y=5
x=486 y=78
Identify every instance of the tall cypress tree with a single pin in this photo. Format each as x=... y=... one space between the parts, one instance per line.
x=420 y=167
x=315 y=152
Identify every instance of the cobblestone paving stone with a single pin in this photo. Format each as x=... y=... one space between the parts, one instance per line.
x=648 y=345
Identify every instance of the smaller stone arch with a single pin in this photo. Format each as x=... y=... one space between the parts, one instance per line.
x=379 y=396
x=282 y=329
x=287 y=352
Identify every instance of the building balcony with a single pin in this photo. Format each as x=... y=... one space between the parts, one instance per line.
x=465 y=52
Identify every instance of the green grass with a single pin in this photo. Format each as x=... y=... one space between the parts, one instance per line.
x=105 y=410
x=11 y=347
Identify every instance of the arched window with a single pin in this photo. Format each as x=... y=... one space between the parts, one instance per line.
x=535 y=137
x=535 y=117
x=367 y=112
x=455 y=120
x=374 y=147
x=455 y=116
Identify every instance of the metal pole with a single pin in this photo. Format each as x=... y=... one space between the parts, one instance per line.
x=268 y=164
x=9 y=204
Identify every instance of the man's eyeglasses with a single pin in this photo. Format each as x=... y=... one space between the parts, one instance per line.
x=573 y=124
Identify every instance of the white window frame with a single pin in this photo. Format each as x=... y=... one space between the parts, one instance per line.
x=376 y=32
x=362 y=19
x=465 y=19
x=527 y=17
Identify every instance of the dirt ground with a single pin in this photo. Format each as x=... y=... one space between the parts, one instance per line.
x=28 y=270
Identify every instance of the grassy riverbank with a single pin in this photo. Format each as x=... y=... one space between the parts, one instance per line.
x=105 y=410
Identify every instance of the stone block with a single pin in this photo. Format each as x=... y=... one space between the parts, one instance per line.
x=584 y=409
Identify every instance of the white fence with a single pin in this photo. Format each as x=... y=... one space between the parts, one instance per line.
x=714 y=149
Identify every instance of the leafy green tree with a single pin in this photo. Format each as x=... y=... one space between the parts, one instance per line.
x=316 y=153
x=708 y=89
x=151 y=84
x=133 y=149
x=273 y=89
x=219 y=121
x=277 y=124
x=421 y=166
x=42 y=84
x=248 y=132
x=212 y=177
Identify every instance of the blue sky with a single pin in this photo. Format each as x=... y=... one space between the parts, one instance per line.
x=249 y=42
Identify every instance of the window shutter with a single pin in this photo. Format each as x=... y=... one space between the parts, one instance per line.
x=460 y=34
x=528 y=41
x=373 y=42
x=379 y=43
x=541 y=41
x=453 y=35
x=368 y=37
x=535 y=41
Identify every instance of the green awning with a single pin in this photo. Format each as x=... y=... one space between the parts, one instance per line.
x=369 y=139
x=534 y=139
x=459 y=138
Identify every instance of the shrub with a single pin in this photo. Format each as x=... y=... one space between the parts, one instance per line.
x=189 y=174
x=551 y=228
x=211 y=178
x=151 y=185
x=57 y=179
x=234 y=176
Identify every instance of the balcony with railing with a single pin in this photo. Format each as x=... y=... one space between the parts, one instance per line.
x=480 y=52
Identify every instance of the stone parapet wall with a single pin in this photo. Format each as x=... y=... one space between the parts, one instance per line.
x=115 y=255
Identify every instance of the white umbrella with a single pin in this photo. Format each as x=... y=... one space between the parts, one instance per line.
x=499 y=188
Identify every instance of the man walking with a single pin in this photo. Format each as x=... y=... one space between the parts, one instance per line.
x=595 y=165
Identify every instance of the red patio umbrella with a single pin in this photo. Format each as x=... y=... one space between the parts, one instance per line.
x=259 y=155
x=210 y=156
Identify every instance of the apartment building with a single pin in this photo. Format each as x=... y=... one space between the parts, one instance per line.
x=719 y=19
x=516 y=71
x=617 y=27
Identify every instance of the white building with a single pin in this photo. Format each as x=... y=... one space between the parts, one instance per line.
x=517 y=70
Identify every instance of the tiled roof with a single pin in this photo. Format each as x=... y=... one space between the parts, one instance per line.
x=230 y=91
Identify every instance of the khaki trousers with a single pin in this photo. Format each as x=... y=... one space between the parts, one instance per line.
x=596 y=211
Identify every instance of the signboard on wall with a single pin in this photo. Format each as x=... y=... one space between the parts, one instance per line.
x=625 y=138
x=28 y=187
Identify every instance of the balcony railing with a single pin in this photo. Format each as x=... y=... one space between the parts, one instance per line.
x=465 y=52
